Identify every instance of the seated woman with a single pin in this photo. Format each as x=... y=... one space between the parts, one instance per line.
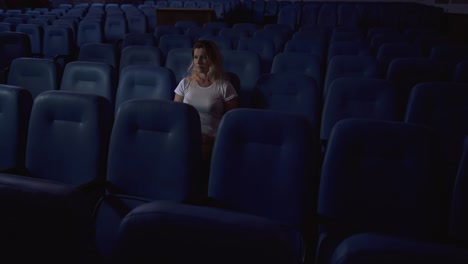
x=207 y=89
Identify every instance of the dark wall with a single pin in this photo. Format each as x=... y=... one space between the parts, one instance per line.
x=25 y=3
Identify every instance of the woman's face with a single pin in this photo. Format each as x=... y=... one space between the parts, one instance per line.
x=201 y=62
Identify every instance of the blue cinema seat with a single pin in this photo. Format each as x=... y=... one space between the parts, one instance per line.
x=145 y=82
x=154 y=154
x=371 y=172
x=35 y=74
x=251 y=216
x=53 y=196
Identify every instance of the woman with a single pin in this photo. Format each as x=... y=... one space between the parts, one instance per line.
x=208 y=90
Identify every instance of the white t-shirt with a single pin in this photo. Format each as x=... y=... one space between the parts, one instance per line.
x=209 y=101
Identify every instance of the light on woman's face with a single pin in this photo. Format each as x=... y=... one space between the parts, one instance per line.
x=201 y=63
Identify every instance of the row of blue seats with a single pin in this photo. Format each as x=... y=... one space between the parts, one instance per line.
x=268 y=192
x=288 y=87
x=246 y=66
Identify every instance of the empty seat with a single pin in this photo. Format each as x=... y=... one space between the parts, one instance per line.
x=264 y=47
x=247 y=66
x=351 y=66
x=196 y=32
x=246 y=226
x=145 y=82
x=138 y=39
x=99 y=52
x=289 y=92
x=313 y=46
x=149 y=141
x=389 y=51
x=178 y=61
x=89 y=31
x=65 y=162
x=58 y=44
x=168 y=42
x=137 y=23
x=89 y=77
x=442 y=106
x=298 y=62
x=369 y=163
x=34 y=74
x=12 y=45
x=221 y=42
x=115 y=28
x=405 y=73
x=350 y=97
x=140 y=55
x=233 y=34
x=162 y=30
x=448 y=56
x=348 y=48
x=36 y=35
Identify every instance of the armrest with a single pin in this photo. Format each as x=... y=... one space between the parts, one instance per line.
x=187 y=233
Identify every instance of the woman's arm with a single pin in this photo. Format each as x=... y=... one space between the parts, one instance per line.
x=231 y=104
x=178 y=98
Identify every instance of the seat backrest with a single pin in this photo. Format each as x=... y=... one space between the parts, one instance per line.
x=138 y=39
x=89 y=31
x=389 y=51
x=140 y=55
x=348 y=48
x=233 y=34
x=264 y=47
x=279 y=40
x=13 y=45
x=351 y=66
x=289 y=92
x=443 y=106
x=314 y=46
x=145 y=82
x=371 y=163
x=151 y=172
x=221 y=42
x=16 y=103
x=357 y=98
x=405 y=73
x=99 y=52
x=36 y=35
x=115 y=28
x=58 y=40
x=34 y=74
x=68 y=137
x=149 y=141
x=288 y=16
x=298 y=62
x=195 y=32
x=137 y=23
x=247 y=66
x=179 y=60
x=448 y=57
x=260 y=152
x=89 y=77
x=162 y=30
x=169 y=42
x=246 y=26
